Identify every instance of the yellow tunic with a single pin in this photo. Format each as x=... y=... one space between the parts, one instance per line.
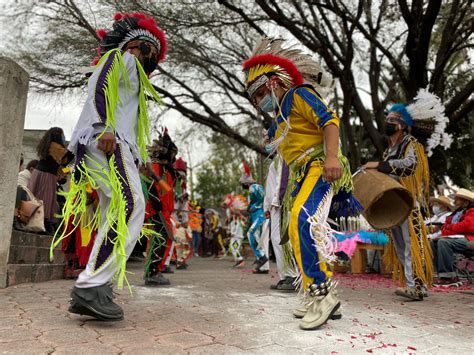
x=308 y=114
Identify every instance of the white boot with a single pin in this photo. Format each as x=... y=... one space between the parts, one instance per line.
x=322 y=307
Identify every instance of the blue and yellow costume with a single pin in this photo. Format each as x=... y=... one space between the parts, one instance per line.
x=298 y=134
x=308 y=195
x=257 y=218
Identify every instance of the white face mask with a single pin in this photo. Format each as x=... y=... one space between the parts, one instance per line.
x=437 y=210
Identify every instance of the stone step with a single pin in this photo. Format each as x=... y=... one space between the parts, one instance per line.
x=31 y=239
x=26 y=273
x=26 y=254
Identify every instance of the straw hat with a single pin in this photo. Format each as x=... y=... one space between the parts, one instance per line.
x=442 y=200
x=464 y=194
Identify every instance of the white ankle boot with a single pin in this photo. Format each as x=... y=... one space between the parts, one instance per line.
x=323 y=305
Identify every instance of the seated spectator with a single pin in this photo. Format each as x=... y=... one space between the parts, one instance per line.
x=442 y=207
x=53 y=154
x=21 y=194
x=456 y=232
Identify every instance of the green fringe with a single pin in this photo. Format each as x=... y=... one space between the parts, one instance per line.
x=74 y=209
x=112 y=87
x=297 y=172
x=157 y=240
x=143 y=127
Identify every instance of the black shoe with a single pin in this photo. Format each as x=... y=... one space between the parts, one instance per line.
x=239 y=263
x=156 y=280
x=17 y=225
x=182 y=266
x=275 y=287
x=261 y=261
x=167 y=270
x=96 y=302
x=287 y=285
x=258 y=271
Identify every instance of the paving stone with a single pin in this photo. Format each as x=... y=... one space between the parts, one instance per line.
x=155 y=349
x=185 y=340
x=276 y=349
x=216 y=349
x=163 y=328
x=18 y=333
x=91 y=348
x=122 y=337
x=68 y=336
x=211 y=308
x=25 y=347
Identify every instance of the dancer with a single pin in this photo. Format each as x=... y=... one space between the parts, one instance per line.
x=235 y=205
x=275 y=187
x=256 y=219
x=237 y=236
x=162 y=153
x=405 y=160
x=109 y=140
x=289 y=83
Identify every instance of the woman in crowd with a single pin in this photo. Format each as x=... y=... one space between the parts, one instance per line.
x=52 y=154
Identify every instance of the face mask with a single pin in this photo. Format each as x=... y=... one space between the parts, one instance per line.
x=266 y=104
x=436 y=210
x=150 y=64
x=390 y=129
x=268 y=148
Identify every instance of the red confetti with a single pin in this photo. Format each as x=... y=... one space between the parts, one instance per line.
x=411 y=348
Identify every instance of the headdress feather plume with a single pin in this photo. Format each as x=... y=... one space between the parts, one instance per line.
x=291 y=64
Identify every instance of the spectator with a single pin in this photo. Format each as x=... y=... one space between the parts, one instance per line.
x=24 y=176
x=195 y=223
x=456 y=232
x=53 y=154
x=21 y=194
x=442 y=207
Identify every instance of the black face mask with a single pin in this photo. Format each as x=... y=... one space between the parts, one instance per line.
x=390 y=129
x=150 y=64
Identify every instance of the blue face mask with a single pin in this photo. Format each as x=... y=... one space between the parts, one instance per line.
x=268 y=148
x=266 y=104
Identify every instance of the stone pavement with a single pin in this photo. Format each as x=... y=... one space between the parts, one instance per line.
x=213 y=309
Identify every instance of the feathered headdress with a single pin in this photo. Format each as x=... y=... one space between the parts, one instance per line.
x=163 y=148
x=291 y=65
x=426 y=115
x=246 y=178
x=129 y=27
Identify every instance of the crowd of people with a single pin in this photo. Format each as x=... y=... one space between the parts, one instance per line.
x=125 y=187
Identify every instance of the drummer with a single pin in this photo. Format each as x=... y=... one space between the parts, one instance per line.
x=405 y=161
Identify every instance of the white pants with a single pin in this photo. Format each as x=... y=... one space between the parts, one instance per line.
x=102 y=264
x=235 y=247
x=264 y=243
x=284 y=271
x=170 y=254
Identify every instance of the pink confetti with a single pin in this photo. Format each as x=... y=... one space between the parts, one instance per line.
x=411 y=348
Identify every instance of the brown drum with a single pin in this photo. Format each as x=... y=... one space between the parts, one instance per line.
x=386 y=203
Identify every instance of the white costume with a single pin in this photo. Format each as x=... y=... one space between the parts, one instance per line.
x=237 y=235
x=272 y=204
x=113 y=105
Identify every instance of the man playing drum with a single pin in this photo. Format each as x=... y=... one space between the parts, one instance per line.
x=405 y=160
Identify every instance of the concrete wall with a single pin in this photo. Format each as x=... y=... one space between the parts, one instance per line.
x=31 y=139
x=13 y=94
